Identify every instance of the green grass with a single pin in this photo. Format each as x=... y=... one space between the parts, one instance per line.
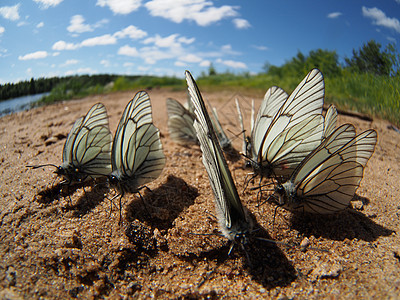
x=377 y=96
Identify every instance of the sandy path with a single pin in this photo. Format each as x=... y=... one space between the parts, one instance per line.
x=52 y=250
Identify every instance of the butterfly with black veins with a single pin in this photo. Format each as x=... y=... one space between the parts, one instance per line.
x=180 y=123
x=288 y=128
x=87 y=150
x=327 y=179
x=137 y=156
x=233 y=218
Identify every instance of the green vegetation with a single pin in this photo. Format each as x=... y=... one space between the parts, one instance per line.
x=368 y=82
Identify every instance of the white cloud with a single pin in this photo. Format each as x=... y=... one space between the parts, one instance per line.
x=122 y=7
x=205 y=63
x=201 y=11
x=81 y=71
x=241 y=23
x=180 y=64
x=61 y=45
x=261 y=48
x=106 y=39
x=77 y=25
x=185 y=40
x=40 y=25
x=10 y=12
x=190 y=58
x=334 y=15
x=34 y=55
x=232 y=64
x=128 y=64
x=70 y=62
x=128 y=51
x=47 y=3
x=131 y=31
x=106 y=63
x=379 y=18
x=2 y=29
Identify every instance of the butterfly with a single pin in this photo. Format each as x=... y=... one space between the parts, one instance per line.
x=233 y=219
x=137 y=156
x=180 y=123
x=329 y=176
x=288 y=128
x=87 y=150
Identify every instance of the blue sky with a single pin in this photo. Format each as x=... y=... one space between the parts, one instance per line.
x=45 y=38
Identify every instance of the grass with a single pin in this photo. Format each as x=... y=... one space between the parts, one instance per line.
x=377 y=96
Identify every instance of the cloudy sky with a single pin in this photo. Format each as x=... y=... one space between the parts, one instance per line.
x=44 y=38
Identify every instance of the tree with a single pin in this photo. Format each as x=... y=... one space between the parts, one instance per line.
x=370 y=59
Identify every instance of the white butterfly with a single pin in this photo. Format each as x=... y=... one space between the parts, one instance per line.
x=137 y=154
x=232 y=217
x=288 y=128
x=87 y=150
x=327 y=179
x=246 y=147
x=180 y=123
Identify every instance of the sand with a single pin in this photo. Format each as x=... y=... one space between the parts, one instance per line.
x=58 y=242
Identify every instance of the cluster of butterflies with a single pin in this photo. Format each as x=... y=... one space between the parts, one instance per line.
x=134 y=158
x=316 y=166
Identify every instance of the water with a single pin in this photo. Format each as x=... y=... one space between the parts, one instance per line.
x=17 y=104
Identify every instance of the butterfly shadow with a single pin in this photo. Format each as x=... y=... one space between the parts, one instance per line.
x=89 y=199
x=50 y=194
x=264 y=261
x=91 y=196
x=348 y=224
x=163 y=204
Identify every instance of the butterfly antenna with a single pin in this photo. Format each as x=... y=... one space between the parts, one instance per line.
x=144 y=203
x=41 y=166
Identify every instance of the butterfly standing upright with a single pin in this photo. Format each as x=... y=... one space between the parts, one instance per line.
x=287 y=128
x=233 y=219
x=137 y=156
x=87 y=150
x=180 y=123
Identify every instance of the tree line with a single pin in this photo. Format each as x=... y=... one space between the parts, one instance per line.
x=44 y=85
x=371 y=58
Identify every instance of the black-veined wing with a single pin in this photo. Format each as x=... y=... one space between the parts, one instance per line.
x=330 y=120
x=137 y=154
x=246 y=146
x=232 y=218
x=329 y=176
x=180 y=123
x=291 y=130
x=223 y=139
x=87 y=150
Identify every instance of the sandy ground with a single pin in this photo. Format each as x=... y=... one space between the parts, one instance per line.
x=57 y=246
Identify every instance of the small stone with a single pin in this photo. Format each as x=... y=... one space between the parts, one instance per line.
x=11 y=276
x=357 y=205
x=304 y=244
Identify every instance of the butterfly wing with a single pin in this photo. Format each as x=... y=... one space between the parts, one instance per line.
x=88 y=145
x=328 y=178
x=288 y=126
x=231 y=214
x=330 y=121
x=137 y=155
x=273 y=100
x=180 y=123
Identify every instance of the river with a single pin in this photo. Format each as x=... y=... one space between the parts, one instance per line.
x=17 y=104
